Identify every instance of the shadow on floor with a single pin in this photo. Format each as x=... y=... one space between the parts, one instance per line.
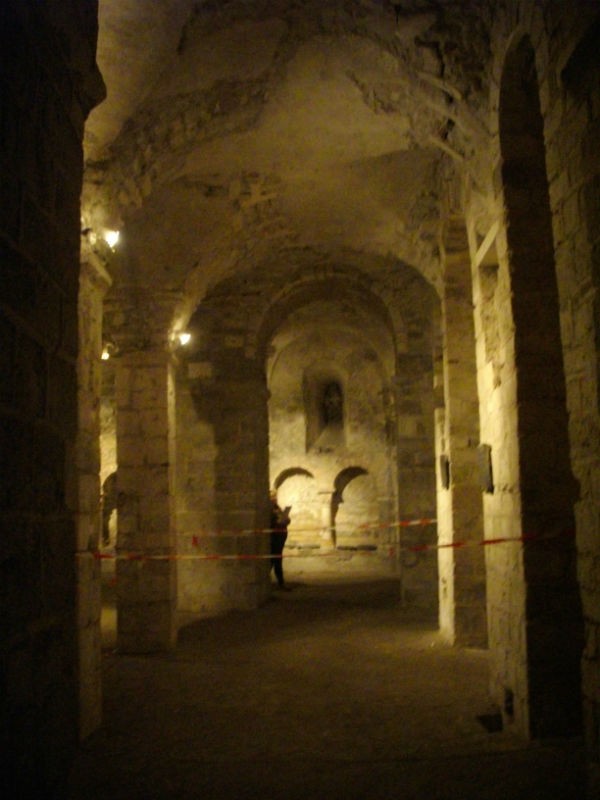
x=332 y=690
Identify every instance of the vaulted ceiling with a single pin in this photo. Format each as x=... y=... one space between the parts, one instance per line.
x=239 y=136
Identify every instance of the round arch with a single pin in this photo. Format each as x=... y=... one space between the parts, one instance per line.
x=550 y=684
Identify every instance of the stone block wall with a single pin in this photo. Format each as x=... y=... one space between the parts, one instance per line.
x=144 y=396
x=413 y=397
x=221 y=478
x=94 y=281
x=460 y=509
x=571 y=107
x=48 y=83
x=506 y=597
x=355 y=456
x=534 y=681
x=224 y=463
x=547 y=487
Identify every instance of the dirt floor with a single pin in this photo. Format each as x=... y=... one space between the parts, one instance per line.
x=331 y=690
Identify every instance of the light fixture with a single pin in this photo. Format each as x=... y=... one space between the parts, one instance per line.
x=108 y=350
x=180 y=338
x=111 y=238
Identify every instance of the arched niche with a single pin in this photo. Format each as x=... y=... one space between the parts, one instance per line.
x=296 y=487
x=354 y=509
x=324 y=400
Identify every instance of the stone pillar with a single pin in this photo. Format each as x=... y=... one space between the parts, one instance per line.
x=145 y=587
x=460 y=517
x=93 y=283
x=222 y=476
x=416 y=487
x=48 y=83
x=572 y=125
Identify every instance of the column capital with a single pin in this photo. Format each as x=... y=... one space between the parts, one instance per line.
x=140 y=319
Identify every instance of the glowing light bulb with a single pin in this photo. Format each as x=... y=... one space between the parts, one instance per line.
x=111 y=238
x=184 y=338
x=108 y=350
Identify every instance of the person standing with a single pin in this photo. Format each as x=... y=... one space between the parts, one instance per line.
x=280 y=519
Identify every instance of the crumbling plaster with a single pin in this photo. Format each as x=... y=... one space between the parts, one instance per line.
x=274 y=126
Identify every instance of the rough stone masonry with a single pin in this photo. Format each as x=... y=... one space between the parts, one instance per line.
x=395 y=205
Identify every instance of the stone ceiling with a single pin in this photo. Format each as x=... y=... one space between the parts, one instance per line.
x=241 y=135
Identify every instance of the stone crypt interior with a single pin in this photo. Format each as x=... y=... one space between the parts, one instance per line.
x=345 y=250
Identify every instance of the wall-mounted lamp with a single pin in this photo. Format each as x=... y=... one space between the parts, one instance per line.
x=111 y=238
x=180 y=338
x=108 y=350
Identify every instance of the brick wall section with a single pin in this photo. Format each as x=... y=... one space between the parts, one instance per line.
x=48 y=82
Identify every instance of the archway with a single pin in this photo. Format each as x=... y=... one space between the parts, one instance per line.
x=553 y=628
x=327 y=342
x=354 y=500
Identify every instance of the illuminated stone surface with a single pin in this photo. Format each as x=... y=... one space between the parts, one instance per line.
x=394 y=200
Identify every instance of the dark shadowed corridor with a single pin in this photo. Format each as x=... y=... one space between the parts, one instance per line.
x=328 y=691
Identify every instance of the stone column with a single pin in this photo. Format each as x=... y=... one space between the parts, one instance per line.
x=241 y=480
x=145 y=431
x=416 y=487
x=571 y=135
x=460 y=518
x=93 y=284
x=222 y=475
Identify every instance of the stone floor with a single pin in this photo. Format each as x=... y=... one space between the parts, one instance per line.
x=331 y=690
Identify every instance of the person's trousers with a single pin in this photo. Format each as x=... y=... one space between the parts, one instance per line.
x=277 y=544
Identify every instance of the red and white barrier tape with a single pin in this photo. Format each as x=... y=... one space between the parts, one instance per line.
x=405 y=523
x=392 y=550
